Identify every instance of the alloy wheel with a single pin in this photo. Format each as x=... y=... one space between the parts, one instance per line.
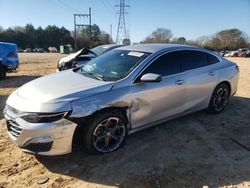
x=108 y=135
x=220 y=99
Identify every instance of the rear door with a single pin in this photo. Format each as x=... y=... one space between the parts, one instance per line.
x=200 y=78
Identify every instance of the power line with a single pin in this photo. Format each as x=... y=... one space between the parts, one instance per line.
x=109 y=9
x=67 y=6
x=109 y=4
x=62 y=5
x=59 y=5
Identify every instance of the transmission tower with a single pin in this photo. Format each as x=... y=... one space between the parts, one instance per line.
x=121 y=30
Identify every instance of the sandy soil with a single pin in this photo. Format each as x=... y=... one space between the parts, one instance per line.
x=193 y=151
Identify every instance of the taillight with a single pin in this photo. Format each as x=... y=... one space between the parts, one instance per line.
x=237 y=67
x=12 y=54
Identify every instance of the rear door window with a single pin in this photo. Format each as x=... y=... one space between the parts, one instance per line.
x=193 y=59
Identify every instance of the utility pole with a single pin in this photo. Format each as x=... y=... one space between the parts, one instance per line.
x=90 y=30
x=121 y=30
x=82 y=25
x=111 y=40
x=75 y=45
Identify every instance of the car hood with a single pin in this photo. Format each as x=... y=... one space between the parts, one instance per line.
x=68 y=58
x=62 y=86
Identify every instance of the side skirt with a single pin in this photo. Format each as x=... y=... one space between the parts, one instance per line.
x=132 y=131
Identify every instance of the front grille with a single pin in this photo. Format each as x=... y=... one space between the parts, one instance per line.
x=12 y=126
x=14 y=129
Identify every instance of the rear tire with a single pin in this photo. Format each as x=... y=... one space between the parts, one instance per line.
x=2 y=72
x=105 y=132
x=219 y=99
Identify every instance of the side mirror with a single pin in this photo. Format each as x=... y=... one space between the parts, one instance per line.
x=151 y=77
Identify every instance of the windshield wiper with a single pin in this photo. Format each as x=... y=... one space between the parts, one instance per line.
x=97 y=76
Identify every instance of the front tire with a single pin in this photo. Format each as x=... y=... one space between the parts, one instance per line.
x=105 y=132
x=219 y=99
x=2 y=72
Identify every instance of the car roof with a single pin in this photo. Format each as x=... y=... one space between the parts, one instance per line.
x=112 y=45
x=7 y=44
x=152 y=48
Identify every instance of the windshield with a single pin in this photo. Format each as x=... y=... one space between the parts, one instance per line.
x=113 y=65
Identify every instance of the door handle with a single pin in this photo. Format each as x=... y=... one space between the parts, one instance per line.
x=211 y=73
x=179 y=82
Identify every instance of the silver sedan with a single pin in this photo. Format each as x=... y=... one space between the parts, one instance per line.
x=118 y=93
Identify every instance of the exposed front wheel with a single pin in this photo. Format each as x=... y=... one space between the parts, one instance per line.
x=2 y=72
x=105 y=133
x=219 y=99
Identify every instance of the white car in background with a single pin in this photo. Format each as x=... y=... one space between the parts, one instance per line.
x=231 y=54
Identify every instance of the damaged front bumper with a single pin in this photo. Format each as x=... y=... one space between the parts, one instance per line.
x=53 y=138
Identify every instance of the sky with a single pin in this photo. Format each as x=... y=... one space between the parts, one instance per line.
x=188 y=18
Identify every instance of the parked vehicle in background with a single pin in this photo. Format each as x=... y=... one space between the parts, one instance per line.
x=231 y=54
x=27 y=50
x=52 y=49
x=115 y=94
x=8 y=58
x=39 y=50
x=223 y=52
x=83 y=56
x=243 y=52
x=19 y=50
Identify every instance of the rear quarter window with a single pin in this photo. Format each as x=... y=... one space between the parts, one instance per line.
x=212 y=59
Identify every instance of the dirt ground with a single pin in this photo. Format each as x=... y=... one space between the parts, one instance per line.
x=198 y=150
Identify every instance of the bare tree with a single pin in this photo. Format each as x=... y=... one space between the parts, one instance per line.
x=1 y=29
x=160 y=35
x=231 y=39
x=181 y=40
x=203 y=41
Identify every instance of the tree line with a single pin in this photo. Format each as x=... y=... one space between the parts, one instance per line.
x=31 y=37
x=229 y=39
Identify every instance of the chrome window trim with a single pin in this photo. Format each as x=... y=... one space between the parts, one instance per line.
x=175 y=50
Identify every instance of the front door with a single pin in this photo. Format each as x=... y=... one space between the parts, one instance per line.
x=154 y=101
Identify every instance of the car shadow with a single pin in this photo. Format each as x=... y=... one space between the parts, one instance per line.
x=3 y=99
x=9 y=84
x=16 y=81
x=191 y=151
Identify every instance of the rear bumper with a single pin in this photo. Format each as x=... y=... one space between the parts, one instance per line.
x=234 y=81
x=41 y=138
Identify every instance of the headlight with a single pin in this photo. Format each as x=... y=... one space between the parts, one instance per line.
x=44 y=117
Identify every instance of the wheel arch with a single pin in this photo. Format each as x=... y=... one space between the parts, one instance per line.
x=123 y=110
x=83 y=121
x=221 y=82
x=226 y=82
